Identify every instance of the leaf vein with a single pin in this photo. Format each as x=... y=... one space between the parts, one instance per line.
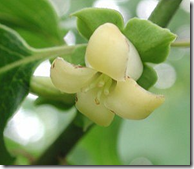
x=11 y=52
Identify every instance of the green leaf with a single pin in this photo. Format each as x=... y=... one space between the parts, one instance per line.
x=148 y=77
x=18 y=62
x=151 y=41
x=90 y=18
x=5 y=157
x=13 y=89
x=36 y=21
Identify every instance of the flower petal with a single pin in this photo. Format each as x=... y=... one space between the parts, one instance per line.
x=97 y=112
x=131 y=101
x=107 y=51
x=69 y=78
x=135 y=66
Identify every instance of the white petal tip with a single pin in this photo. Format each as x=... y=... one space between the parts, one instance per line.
x=131 y=101
x=69 y=78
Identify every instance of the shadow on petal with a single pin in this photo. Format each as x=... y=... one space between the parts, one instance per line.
x=96 y=111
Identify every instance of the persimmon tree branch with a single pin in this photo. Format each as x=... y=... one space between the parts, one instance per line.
x=164 y=12
x=63 y=144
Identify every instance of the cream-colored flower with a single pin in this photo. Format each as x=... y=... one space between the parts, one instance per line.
x=107 y=85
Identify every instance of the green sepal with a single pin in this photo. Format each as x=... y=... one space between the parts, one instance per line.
x=148 y=77
x=91 y=18
x=77 y=57
x=151 y=41
x=82 y=121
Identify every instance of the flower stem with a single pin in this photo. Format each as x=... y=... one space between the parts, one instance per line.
x=181 y=43
x=164 y=11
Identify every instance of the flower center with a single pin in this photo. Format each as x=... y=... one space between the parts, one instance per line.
x=103 y=84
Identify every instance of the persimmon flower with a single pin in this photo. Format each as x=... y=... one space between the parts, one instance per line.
x=107 y=85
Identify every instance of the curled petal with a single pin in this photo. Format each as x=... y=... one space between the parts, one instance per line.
x=69 y=78
x=87 y=104
x=135 y=66
x=131 y=101
x=107 y=51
